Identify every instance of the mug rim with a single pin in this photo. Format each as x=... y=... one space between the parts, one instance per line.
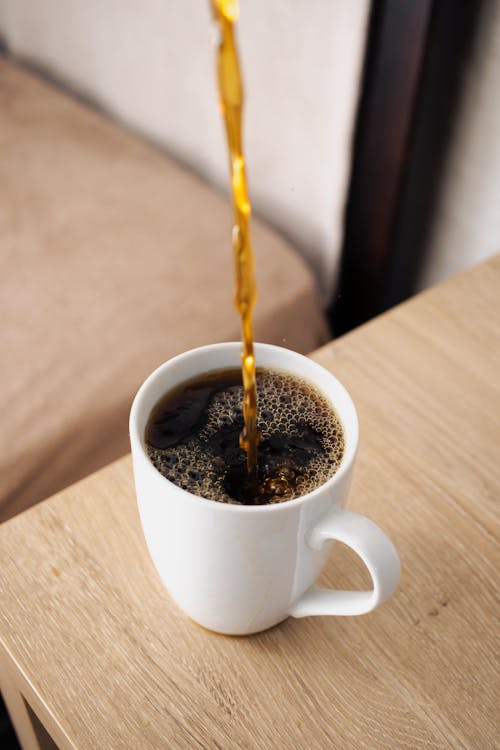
x=347 y=460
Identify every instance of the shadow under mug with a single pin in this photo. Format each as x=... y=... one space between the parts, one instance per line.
x=240 y=569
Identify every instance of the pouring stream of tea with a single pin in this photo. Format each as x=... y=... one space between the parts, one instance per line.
x=231 y=102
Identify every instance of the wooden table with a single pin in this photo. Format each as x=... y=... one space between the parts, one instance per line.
x=93 y=645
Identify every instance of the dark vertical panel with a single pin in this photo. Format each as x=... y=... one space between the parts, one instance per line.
x=409 y=89
x=448 y=51
x=396 y=44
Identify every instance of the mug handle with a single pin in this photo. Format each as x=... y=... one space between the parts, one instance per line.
x=375 y=549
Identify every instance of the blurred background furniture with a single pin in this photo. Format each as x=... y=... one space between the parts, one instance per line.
x=370 y=126
x=150 y=66
x=114 y=259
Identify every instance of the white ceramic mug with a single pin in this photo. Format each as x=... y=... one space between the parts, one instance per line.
x=240 y=569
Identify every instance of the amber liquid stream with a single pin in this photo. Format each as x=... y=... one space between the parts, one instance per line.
x=231 y=102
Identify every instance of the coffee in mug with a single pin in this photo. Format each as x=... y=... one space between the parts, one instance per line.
x=240 y=568
x=193 y=437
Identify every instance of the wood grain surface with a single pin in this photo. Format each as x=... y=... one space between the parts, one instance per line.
x=92 y=641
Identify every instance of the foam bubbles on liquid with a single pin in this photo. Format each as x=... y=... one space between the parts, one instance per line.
x=301 y=447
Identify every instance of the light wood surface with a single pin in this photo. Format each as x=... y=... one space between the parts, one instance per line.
x=94 y=644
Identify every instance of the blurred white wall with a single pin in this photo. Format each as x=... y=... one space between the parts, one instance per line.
x=151 y=65
x=467 y=221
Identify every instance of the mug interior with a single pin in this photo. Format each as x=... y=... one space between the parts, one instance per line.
x=215 y=357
